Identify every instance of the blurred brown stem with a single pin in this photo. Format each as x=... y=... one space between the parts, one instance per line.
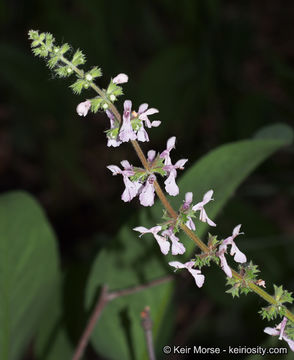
x=104 y=298
x=147 y=327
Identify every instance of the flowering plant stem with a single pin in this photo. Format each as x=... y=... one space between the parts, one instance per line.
x=270 y=299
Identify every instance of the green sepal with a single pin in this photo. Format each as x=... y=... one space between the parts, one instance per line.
x=78 y=86
x=64 y=48
x=157 y=166
x=205 y=260
x=282 y=296
x=136 y=124
x=112 y=133
x=96 y=104
x=63 y=71
x=34 y=35
x=78 y=58
x=289 y=330
x=94 y=72
x=140 y=175
x=212 y=239
x=53 y=61
x=114 y=89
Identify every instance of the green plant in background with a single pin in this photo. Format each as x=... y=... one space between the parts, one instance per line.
x=143 y=182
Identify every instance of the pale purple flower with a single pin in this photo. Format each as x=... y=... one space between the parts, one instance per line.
x=151 y=155
x=162 y=242
x=177 y=247
x=131 y=188
x=238 y=255
x=279 y=331
x=142 y=134
x=120 y=79
x=83 y=108
x=115 y=142
x=188 y=201
x=199 y=278
x=143 y=114
x=169 y=146
x=148 y=192
x=224 y=264
x=126 y=132
x=190 y=224
x=170 y=183
x=200 y=206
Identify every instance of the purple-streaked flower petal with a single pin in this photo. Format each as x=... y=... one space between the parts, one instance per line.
x=147 y=195
x=142 y=134
x=170 y=184
x=126 y=131
x=130 y=191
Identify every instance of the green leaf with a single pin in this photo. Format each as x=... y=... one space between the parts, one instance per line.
x=28 y=271
x=131 y=259
x=52 y=341
x=121 y=319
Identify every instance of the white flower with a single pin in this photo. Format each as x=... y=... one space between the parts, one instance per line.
x=120 y=79
x=200 y=206
x=238 y=255
x=143 y=114
x=177 y=247
x=131 y=187
x=83 y=108
x=162 y=242
x=126 y=131
x=169 y=146
x=279 y=331
x=148 y=192
x=224 y=264
x=199 y=278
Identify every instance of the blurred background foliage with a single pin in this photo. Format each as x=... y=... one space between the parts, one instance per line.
x=217 y=71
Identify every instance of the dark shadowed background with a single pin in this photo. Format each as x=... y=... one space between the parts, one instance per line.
x=217 y=71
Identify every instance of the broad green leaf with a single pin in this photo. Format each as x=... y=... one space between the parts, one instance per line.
x=28 y=271
x=52 y=341
x=131 y=259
